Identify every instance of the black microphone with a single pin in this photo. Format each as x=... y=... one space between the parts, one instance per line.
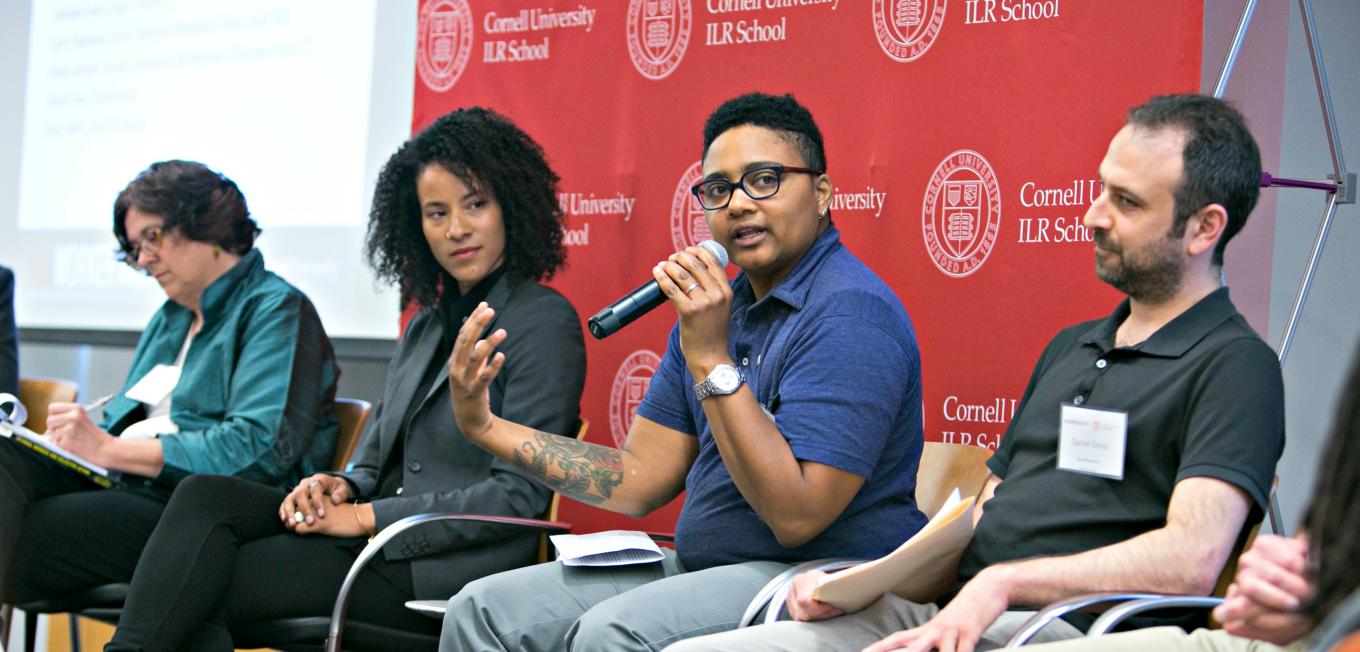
x=641 y=301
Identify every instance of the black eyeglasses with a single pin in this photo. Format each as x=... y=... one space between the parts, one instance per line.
x=760 y=183
x=151 y=244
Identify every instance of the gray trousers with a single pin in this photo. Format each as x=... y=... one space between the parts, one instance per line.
x=860 y=629
x=1170 y=639
x=641 y=607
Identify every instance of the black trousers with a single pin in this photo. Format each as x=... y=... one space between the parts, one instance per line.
x=220 y=558
x=60 y=533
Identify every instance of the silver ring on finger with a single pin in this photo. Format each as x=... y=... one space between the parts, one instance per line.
x=312 y=483
x=691 y=288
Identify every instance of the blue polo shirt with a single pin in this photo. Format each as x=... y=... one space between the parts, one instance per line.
x=831 y=354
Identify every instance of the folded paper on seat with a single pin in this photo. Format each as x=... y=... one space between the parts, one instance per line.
x=611 y=548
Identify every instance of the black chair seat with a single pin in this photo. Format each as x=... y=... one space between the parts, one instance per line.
x=108 y=595
x=106 y=601
x=298 y=634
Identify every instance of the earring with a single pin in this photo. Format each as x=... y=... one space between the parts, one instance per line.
x=217 y=251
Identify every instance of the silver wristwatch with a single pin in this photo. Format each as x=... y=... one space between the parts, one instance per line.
x=723 y=380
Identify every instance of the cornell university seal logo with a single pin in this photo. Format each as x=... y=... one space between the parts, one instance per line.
x=961 y=213
x=907 y=28
x=658 y=33
x=688 y=226
x=630 y=385
x=443 y=42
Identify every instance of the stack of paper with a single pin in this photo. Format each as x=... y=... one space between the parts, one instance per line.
x=612 y=548
x=919 y=570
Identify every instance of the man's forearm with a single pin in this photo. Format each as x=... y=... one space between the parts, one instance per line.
x=1184 y=557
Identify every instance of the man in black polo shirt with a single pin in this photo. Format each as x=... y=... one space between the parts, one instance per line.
x=1144 y=440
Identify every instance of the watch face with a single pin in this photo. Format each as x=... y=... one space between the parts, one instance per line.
x=726 y=379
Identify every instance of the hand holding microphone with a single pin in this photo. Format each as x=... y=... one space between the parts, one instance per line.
x=650 y=294
x=698 y=288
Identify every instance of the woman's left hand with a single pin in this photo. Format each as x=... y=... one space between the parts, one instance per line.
x=343 y=520
x=698 y=289
x=69 y=427
x=472 y=366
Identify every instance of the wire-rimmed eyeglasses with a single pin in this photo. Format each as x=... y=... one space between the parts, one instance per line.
x=151 y=243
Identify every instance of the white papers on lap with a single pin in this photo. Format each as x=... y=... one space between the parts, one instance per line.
x=920 y=570
x=612 y=548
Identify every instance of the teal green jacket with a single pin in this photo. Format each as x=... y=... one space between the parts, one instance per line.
x=256 y=395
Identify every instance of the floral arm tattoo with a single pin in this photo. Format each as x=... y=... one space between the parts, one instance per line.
x=586 y=472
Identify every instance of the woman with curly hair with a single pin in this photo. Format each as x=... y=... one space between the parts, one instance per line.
x=465 y=213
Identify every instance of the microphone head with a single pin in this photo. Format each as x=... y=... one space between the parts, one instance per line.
x=719 y=253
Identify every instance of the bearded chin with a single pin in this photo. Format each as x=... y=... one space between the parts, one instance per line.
x=1152 y=275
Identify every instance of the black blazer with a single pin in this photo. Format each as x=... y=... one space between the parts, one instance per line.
x=9 y=339
x=539 y=386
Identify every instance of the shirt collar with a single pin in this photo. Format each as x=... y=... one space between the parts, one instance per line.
x=794 y=288
x=455 y=308
x=218 y=294
x=1178 y=335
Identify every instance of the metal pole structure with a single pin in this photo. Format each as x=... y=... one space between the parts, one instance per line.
x=1235 y=48
x=1324 y=95
x=1339 y=174
x=1306 y=283
x=1342 y=192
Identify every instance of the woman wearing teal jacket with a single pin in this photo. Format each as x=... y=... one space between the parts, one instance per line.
x=233 y=376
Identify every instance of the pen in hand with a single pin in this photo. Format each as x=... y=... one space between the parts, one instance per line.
x=98 y=403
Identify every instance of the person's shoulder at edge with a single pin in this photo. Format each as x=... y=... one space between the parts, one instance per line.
x=845 y=285
x=540 y=296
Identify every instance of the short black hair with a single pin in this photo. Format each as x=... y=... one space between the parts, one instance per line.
x=488 y=152
x=193 y=200
x=780 y=113
x=1221 y=163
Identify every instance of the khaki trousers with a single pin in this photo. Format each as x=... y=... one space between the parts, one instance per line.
x=857 y=630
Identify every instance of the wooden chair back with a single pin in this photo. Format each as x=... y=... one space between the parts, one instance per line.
x=544 y=552
x=352 y=414
x=37 y=393
x=945 y=467
x=1349 y=644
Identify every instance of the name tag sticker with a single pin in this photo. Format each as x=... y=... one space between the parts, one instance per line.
x=155 y=385
x=1092 y=441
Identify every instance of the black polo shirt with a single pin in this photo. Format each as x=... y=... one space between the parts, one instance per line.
x=1204 y=397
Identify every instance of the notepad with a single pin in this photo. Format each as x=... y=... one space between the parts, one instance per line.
x=12 y=418
x=920 y=570
x=611 y=548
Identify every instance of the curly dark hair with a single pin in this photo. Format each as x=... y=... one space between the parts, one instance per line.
x=488 y=152
x=193 y=200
